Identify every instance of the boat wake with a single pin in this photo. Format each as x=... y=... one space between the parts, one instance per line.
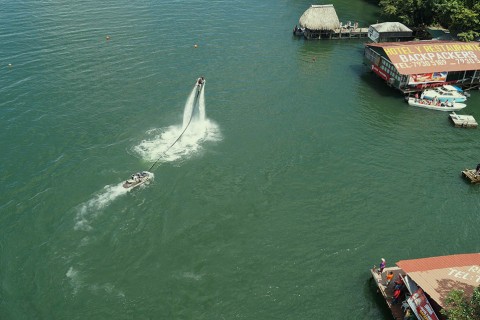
x=91 y=209
x=168 y=144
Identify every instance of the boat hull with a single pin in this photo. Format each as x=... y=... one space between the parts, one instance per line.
x=444 y=94
x=422 y=103
x=133 y=183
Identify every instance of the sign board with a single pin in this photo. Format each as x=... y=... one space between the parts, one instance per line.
x=427 y=56
x=419 y=304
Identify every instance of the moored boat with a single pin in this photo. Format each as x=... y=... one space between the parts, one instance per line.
x=137 y=179
x=298 y=31
x=444 y=94
x=435 y=105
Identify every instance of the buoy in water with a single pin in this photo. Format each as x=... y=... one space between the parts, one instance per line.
x=107 y=37
x=195 y=46
x=10 y=65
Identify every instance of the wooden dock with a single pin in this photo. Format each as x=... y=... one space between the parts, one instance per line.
x=463 y=121
x=470 y=175
x=350 y=33
x=387 y=291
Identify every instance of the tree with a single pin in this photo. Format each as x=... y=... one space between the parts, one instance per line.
x=462 y=17
x=458 y=307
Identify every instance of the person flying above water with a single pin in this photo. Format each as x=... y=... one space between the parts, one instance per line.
x=200 y=81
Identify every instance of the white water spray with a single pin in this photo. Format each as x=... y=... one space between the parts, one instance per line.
x=195 y=129
x=201 y=105
x=189 y=107
x=89 y=210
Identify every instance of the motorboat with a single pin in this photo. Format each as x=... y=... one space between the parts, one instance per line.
x=137 y=179
x=451 y=88
x=431 y=104
x=444 y=93
x=471 y=175
x=298 y=31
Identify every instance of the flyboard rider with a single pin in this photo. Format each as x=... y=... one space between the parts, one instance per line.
x=200 y=82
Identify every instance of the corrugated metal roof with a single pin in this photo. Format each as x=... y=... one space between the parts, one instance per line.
x=391 y=27
x=437 y=276
x=416 y=57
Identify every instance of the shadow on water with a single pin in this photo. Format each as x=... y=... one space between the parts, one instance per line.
x=376 y=299
x=379 y=85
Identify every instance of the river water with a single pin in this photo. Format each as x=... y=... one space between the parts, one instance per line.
x=305 y=171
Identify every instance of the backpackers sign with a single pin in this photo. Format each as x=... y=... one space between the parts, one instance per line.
x=428 y=57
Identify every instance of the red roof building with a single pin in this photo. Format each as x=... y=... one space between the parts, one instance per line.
x=437 y=276
x=414 y=65
x=427 y=283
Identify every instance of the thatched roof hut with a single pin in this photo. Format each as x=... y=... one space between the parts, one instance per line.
x=320 y=17
x=391 y=27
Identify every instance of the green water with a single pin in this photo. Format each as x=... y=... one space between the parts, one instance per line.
x=304 y=175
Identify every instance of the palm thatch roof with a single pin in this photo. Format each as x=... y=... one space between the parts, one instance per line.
x=320 y=17
x=391 y=27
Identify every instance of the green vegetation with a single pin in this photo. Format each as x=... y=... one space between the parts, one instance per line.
x=458 y=307
x=461 y=17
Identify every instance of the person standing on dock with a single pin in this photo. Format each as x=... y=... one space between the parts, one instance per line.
x=389 y=278
x=382 y=266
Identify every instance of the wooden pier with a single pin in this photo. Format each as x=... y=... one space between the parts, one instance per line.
x=349 y=33
x=397 y=309
x=463 y=121
x=470 y=175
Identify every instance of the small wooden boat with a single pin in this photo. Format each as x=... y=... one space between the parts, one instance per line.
x=137 y=179
x=471 y=175
x=430 y=104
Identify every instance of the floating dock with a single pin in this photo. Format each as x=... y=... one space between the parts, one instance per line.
x=350 y=33
x=397 y=309
x=470 y=175
x=463 y=121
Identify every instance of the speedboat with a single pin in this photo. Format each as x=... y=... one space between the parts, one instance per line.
x=444 y=93
x=451 y=88
x=137 y=179
x=441 y=106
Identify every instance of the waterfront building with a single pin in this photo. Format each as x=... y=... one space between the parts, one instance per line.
x=319 y=21
x=389 y=31
x=414 y=65
x=425 y=283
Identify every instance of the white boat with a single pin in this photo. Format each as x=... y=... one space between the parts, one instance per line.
x=428 y=104
x=298 y=31
x=137 y=179
x=444 y=93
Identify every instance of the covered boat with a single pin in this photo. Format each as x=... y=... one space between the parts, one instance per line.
x=444 y=93
x=430 y=104
x=137 y=179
